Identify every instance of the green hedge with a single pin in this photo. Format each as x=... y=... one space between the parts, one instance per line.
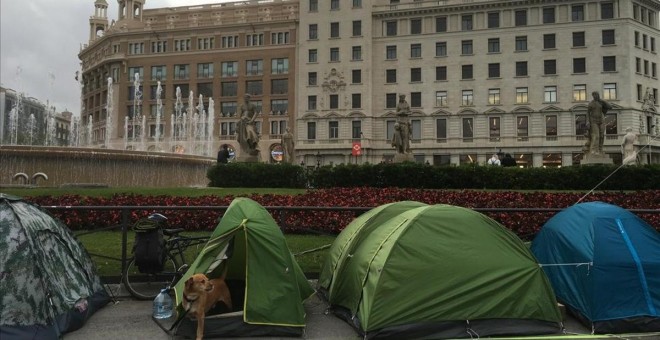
x=413 y=175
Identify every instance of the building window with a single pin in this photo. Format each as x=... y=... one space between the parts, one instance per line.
x=466 y=72
x=280 y=66
x=441 y=98
x=158 y=72
x=644 y=40
x=356 y=129
x=521 y=17
x=494 y=129
x=611 y=124
x=135 y=48
x=205 y=70
x=205 y=89
x=494 y=70
x=229 y=89
x=257 y=39
x=639 y=92
x=440 y=73
x=390 y=76
x=356 y=53
x=521 y=43
x=333 y=129
x=467 y=98
x=441 y=128
x=161 y=46
x=254 y=87
x=254 y=67
x=334 y=101
x=494 y=45
x=521 y=95
x=549 y=15
x=415 y=26
x=313 y=31
x=638 y=65
x=334 y=30
x=579 y=92
x=578 y=39
x=441 y=49
x=311 y=130
x=154 y=90
x=549 y=41
x=334 y=54
x=415 y=99
x=466 y=47
x=416 y=127
x=609 y=91
x=636 y=39
x=494 y=96
x=390 y=52
x=415 y=50
x=609 y=64
x=579 y=65
x=279 y=105
x=607 y=10
x=227 y=128
x=468 y=129
x=577 y=13
x=415 y=74
x=493 y=19
x=441 y=24
x=390 y=100
x=522 y=127
x=652 y=44
x=311 y=78
x=466 y=22
x=390 y=28
x=356 y=76
x=334 y=5
x=550 y=94
x=313 y=5
x=276 y=38
x=230 y=41
x=551 y=126
x=581 y=128
x=311 y=102
x=277 y=127
x=356 y=101
x=521 y=68
x=357 y=28
x=550 y=67
x=279 y=86
x=230 y=69
x=357 y=3
x=181 y=71
x=608 y=37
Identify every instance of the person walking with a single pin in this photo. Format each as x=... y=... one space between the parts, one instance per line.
x=223 y=154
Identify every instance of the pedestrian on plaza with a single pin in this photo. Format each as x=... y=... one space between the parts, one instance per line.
x=223 y=154
x=508 y=161
x=494 y=160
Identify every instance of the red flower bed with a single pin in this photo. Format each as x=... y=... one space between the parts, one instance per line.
x=525 y=224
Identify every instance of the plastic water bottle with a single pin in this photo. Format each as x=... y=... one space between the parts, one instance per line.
x=162 y=305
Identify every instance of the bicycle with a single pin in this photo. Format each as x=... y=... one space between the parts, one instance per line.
x=145 y=286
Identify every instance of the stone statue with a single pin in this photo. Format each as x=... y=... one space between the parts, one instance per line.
x=596 y=119
x=287 y=147
x=628 y=147
x=246 y=130
x=402 y=128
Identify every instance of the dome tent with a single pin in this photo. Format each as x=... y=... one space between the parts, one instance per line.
x=266 y=283
x=49 y=285
x=441 y=272
x=604 y=265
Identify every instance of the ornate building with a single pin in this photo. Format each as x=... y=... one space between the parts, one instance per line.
x=480 y=76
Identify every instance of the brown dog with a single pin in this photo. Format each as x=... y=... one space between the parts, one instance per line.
x=200 y=294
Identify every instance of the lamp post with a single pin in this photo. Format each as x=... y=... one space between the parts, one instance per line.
x=318 y=159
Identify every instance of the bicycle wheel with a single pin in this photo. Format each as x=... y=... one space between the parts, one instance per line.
x=146 y=286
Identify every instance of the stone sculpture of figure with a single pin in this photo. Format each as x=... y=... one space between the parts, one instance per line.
x=596 y=118
x=628 y=147
x=246 y=130
x=287 y=147
x=402 y=128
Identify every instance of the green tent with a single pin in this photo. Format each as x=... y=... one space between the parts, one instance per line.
x=437 y=271
x=48 y=282
x=266 y=283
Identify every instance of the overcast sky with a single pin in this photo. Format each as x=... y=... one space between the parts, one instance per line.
x=40 y=41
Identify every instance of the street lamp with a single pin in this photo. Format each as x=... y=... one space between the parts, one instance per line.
x=318 y=159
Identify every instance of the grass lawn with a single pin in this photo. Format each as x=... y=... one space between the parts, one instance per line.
x=108 y=243
x=185 y=192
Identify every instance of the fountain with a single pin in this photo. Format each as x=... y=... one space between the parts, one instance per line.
x=209 y=125
x=32 y=126
x=136 y=125
x=109 y=112
x=159 y=112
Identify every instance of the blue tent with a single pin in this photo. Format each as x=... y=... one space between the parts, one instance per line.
x=604 y=264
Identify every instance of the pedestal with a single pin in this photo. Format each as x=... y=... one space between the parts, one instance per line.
x=403 y=157
x=590 y=159
x=247 y=159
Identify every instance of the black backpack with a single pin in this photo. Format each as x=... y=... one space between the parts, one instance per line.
x=149 y=248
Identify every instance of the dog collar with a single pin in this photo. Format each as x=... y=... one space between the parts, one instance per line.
x=189 y=300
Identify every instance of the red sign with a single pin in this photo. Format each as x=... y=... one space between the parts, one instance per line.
x=357 y=149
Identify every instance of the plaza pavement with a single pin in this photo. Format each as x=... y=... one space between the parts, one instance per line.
x=131 y=319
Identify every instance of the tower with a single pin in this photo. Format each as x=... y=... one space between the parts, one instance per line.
x=98 y=23
x=130 y=9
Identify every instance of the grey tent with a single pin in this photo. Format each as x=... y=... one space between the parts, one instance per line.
x=48 y=283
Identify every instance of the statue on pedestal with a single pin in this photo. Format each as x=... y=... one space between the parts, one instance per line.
x=402 y=128
x=593 y=148
x=287 y=147
x=628 y=147
x=246 y=132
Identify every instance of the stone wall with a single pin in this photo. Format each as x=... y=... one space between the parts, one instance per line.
x=114 y=168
